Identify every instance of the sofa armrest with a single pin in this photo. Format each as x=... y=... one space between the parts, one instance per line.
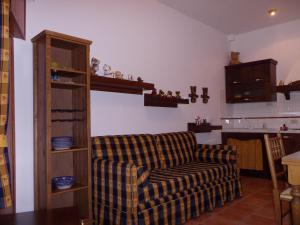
x=115 y=184
x=217 y=153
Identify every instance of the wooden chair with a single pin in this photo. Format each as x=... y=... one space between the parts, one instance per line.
x=275 y=151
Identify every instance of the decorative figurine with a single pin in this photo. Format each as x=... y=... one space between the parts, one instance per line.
x=205 y=96
x=235 y=58
x=193 y=94
x=204 y=122
x=284 y=128
x=178 y=94
x=94 y=65
x=54 y=65
x=130 y=77
x=54 y=75
x=154 y=92
x=161 y=93
x=107 y=70
x=118 y=75
x=139 y=79
x=169 y=94
x=281 y=83
x=197 y=120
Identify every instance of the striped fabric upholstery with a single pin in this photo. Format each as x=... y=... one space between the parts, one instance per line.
x=176 y=148
x=5 y=186
x=184 y=177
x=140 y=150
x=128 y=189
x=115 y=186
x=180 y=207
x=217 y=153
x=5 y=194
x=177 y=208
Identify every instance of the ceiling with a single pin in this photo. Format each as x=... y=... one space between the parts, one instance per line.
x=237 y=16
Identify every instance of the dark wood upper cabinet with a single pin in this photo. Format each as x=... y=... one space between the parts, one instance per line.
x=18 y=18
x=251 y=82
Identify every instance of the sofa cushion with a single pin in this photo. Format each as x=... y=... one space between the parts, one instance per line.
x=176 y=148
x=138 y=149
x=163 y=182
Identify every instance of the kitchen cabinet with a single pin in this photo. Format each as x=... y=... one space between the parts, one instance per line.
x=291 y=143
x=251 y=82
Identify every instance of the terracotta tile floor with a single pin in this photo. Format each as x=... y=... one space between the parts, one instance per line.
x=254 y=208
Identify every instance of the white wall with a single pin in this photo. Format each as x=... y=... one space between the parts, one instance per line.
x=282 y=43
x=142 y=37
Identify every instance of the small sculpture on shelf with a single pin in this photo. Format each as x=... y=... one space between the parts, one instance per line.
x=204 y=122
x=198 y=121
x=130 y=77
x=284 y=128
x=205 y=96
x=118 y=75
x=54 y=65
x=178 y=94
x=193 y=94
x=95 y=65
x=281 y=83
x=235 y=58
x=54 y=73
x=161 y=93
x=154 y=92
x=139 y=79
x=169 y=94
x=107 y=70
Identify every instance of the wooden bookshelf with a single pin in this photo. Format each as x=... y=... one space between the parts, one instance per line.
x=62 y=108
x=101 y=83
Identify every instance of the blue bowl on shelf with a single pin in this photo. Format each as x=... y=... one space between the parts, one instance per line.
x=63 y=142
x=63 y=182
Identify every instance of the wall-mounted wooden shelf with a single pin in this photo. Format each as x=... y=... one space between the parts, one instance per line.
x=202 y=128
x=100 y=83
x=183 y=101
x=158 y=101
x=287 y=89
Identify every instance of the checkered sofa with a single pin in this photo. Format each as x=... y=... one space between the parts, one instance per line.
x=160 y=179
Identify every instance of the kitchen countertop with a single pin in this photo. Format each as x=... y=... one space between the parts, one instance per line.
x=258 y=130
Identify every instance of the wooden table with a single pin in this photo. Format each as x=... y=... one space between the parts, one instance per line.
x=293 y=163
x=63 y=216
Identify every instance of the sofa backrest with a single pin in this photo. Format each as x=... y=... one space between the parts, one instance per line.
x=138 y=149
x=176 y=148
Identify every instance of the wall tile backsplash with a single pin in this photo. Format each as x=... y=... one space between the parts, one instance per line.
x=281 y=108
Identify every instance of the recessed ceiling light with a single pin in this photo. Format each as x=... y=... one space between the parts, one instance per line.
x=272 y=12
